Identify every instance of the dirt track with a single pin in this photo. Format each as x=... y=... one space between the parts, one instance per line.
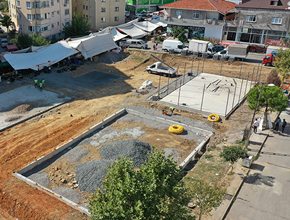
x=30 y=140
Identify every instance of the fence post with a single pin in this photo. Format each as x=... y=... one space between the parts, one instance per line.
x=159 y=87
x=227 y=101
x=234 y=92
x=203 y=65
x=221 y=66
x=241 y=68
x=252 y=77
x=246 y=84
x=260 y=72
x=191 y=68
x=241 y=90
x=184 y=72
x=202 y=97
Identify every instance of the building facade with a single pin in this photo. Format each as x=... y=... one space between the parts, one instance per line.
x=101 y=13
x=262 y=20
x=147 y=5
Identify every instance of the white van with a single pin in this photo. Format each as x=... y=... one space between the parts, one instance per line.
x=175 y=45
x=136 y=44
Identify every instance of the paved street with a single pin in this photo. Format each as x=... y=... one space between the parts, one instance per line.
x=265 y=194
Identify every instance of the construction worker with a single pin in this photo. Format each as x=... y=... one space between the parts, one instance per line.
x=40 y=86
x=43 y=82
x=171 y=110
x=35 y=82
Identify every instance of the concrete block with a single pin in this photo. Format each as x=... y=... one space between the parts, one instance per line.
x=247 y=161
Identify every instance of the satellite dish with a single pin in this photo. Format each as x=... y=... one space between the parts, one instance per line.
x=179 y=16
x=288 y=3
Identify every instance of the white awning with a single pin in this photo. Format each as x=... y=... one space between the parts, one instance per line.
x=96 y=45
x=114 y=32
x=146 y=26
x=75 y=42
x=133 y=31
x=39 y=59
x=159 y=22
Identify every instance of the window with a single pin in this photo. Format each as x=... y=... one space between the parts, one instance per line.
x=52 y=25
x=103 y=20
x=76 y=8
x=18 y=4
x=57 y=23
x=52 y=14
x=275 y=3
x=195 y=15
x=116 y=8
x=87 y=8
x=31 y=28
x=52 y=3
x=251 y=18
x=103 y=0
x=30 y=17
x=29 y=5
x=84 y=6
x=57 y=1
x=66 y=1
x=116 y=18
x=58 y=12
x=277 y=20
x=103 y=9
x=117 y=0
x=66 y=11
x=178 y=13
x=67 y=22
x=18 y=15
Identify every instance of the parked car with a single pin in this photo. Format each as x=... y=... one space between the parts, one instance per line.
x=218 y=48
x=135 y=43
x=142 y=14
x=4 y=42
x=175 y=45
x=235 y=51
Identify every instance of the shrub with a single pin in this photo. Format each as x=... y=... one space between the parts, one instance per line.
x=233 y=153
x=274 y=78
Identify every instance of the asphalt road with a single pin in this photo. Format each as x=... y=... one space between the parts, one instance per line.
x=265 y=193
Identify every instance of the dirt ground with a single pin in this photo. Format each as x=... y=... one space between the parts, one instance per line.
x=39 y=136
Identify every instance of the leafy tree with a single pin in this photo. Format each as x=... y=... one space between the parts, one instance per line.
x=153 y=192
x=272 y=99
x=23 y=40
x=273 y=78
x=179 y=32
x=205 y=196
x=282 y=64
x=78 y=27
x=233 y=153
x=12 y=34
x=38 y=40
x=6 y=22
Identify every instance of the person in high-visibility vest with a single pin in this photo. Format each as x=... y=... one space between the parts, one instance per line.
x=40 y=86
x=171 y=109
x=35 y=82
x=43 y=82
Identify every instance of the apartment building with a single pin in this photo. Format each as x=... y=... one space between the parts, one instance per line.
x=101 y=13
x=45 y=18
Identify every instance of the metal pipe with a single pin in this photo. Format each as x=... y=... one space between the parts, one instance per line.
x=227 y=101
x=241 y=68
x=234 y=93
x=202 y=97
x=246 y=84
x=221 y=67
x=241 y=90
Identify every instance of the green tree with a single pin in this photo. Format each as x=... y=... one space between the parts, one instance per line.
x=6 y=22
x=272 y=99
x=25 y=40
x=282 y=64
x=12 y=34
x=38 y=40
x=153 y=192
x=78 y=27
x=205 y=196
x=179 y=32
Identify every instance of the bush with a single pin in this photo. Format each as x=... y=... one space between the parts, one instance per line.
x=274 y=78
x=233 y=153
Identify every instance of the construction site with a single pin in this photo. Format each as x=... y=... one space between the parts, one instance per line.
x=56 y=143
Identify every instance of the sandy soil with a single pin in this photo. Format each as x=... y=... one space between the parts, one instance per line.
x=39 y=136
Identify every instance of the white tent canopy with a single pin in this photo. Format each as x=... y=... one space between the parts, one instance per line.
x=39 y=59
x=133 y=31
x=146 y=26
x=114 y=32
x=96 y=45
x=159 y=22
x=75 y=42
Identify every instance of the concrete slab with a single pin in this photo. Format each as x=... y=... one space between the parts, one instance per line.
x=221 y=93
x=39 y=101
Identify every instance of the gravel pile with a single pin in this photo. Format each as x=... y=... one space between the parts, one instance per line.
x=40 y=178
x=90 y=175
x=22 y=109
x=68 y=193
x=76 y=154
x=110 y=57
x=131 y=148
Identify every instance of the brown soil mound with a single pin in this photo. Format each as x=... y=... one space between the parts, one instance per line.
x=13 y=118
x=22 y=109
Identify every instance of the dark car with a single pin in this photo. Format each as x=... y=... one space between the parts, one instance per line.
x=218 y=48
x=1 y=31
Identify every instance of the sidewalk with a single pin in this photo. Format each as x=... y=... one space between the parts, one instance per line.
x=239 y=173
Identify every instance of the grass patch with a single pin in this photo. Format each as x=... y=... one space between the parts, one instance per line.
x=208 y=156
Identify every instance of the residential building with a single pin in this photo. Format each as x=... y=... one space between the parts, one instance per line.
x=101 y=13
x=259 y=20
x=45 y=18
x=202 y=18
x=147 y=5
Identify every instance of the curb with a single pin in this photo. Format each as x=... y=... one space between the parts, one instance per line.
x=241 y=183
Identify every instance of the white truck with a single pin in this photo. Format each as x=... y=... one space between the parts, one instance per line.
x=201 y=47
x=157 y=68
x=174 y=45
x=235 y=51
